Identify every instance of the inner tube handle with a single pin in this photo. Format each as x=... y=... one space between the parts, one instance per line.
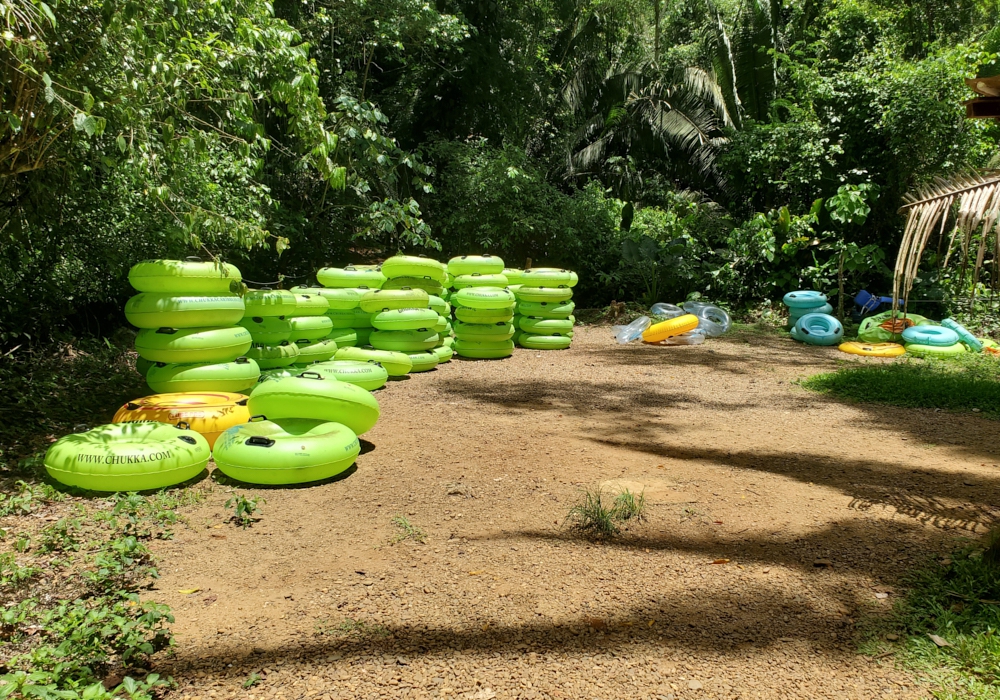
x=311 y=375
x=132 y=406
x=182 y=425
x=166 y=331
x=193 y=258
x=259 y=441
x=242 y=402
x=257 y=418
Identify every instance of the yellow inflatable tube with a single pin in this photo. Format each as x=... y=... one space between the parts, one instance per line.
x=873 y=349
x=669 y=328
x=209 y=413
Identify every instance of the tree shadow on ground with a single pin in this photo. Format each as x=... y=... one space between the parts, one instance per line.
x=753 y=616
x=954 y=503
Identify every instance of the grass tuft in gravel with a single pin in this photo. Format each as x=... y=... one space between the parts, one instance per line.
x=967 y=383
x=947 y=626
x=407 y=531
x=599 y=514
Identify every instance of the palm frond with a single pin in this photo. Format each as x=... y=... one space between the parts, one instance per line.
x=724 y=65
x=929 y=208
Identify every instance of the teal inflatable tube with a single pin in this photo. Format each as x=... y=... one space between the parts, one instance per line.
x=963 y=334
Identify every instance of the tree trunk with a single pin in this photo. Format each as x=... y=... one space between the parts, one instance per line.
x=656 y=35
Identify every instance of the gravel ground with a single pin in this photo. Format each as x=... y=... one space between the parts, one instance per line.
x=776 y=517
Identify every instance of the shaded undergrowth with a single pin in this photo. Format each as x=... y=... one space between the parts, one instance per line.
x=970 y=383
x=947 y=626
x=50 y=391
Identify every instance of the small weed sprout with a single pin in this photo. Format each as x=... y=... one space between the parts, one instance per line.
x=60 y=536
x=252 y=680
x=596 y=517
x=629 y=506
x=407 y=531
x=244 y=509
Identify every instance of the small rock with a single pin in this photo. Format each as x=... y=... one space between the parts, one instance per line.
x=695 y=685
x=940 y=641
x=892 y=637
x=881 y=596
x=823 y=563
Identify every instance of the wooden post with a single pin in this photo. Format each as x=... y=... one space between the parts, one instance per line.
x=527 y=264
x=840 y=296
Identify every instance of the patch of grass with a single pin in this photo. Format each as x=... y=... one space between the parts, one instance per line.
x=963 y=384
x=407 y=531
x=352 y=627
x=244 y=509
x=629 y=506
x=957 y=600
x=600 y=514
x=66 y=633
x=252 y=680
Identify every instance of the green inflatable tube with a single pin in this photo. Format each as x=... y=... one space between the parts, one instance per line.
x=343 y=337
x=404 y=341
x=501 y=331
x=486 y=350
x=269 y=302
x=267 y=330
x=405 y=319
x=964 y=335
x=478 y=280
x=442 y=326
x=546 y=309
x=268 y=375
x=350 y=276
x=448 y=342
x=484 y=298
x=547 y=277
x=286 y=451
x=546 y=326
x=192 y=345
x=936 y=351
x=388 y=299
x=235 y=377
x=185 y=277
x=310 y=395
x=343 y=298
x=427 y=284
x=468 y=264
x=364 y=336
x=467 y=315
x=310 y=305
x=367 y=375
x=128 y=457
x=413 y=266
x=397 y=364
x=544 y=294
x=315 y=351
x=142 y=365
x=153 y=310
x=273 y=356
x=350 y=318
x=439 y=305
x=513 y=275
x=444 y=353
x=310 y=327
x=423 y=361
x=536 y=341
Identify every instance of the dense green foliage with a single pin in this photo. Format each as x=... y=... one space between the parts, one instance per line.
x=737 y=149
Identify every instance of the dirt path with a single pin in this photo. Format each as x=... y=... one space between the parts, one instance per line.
x=819 y=507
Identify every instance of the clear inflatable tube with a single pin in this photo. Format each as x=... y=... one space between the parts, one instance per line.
x=695 y=337
x=667 y=310
x=711 y=319
x=633 y=331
